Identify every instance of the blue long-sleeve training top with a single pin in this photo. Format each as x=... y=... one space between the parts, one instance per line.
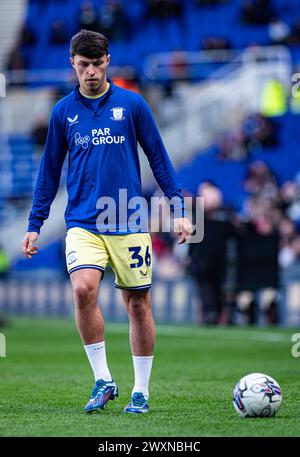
x=101 y=136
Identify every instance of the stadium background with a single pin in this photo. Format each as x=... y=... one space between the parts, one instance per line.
x=218 y=75
x=221 y=78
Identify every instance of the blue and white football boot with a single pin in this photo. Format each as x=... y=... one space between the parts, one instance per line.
x=138 y=404
x=103 y=391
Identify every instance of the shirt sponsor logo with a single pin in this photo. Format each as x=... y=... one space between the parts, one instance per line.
x=118 y=114
x=104 y=136
x=82 y=140
x=99 y=136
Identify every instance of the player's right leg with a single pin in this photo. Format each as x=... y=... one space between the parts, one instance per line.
x=86 y=260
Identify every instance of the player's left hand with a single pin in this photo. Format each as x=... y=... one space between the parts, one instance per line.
x=183 y=229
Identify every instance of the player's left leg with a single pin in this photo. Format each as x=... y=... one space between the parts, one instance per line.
x=142 y=340
x=131 y=259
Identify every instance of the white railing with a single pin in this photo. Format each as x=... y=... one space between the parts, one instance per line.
x=11 y=19
x=193 y=65
x=202 y=111
x=185 y=64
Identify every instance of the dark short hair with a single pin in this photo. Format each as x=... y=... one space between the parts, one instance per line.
x=89 y=44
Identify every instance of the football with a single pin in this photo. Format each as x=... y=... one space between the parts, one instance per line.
x=257 y=395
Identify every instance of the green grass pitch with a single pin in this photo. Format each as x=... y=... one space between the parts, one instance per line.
x=46 y=380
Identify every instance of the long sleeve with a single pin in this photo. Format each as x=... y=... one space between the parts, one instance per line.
x=49 y=173
x=151 y=142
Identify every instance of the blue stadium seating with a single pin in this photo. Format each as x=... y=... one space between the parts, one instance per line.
x=152 y=35
x=18 y=170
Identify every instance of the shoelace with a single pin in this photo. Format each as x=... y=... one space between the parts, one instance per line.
x=138 y=399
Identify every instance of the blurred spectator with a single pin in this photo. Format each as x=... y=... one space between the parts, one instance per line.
x=287 y=231
x=165 y=265
x=290 y=193
x=208 y=258
x=259 y=131
x=293 y=212
x=178 y=66
x=164 y=9
x=290 y=241
x=232 y=147
x=128 y=80
x=129 y=84
x=213 y=43
x=16 y=60
x=160 y=245
x=294 y=37
x=258 y=12
x=39 y=132
x=258 y=244
x=58 y=33
x=290 y=254
x=162 y=240
x=296 y=248
x=261 y=182
x=278 y=31
x=88 y=17
x=257 y=267
x=112 y=21
x=27 y=36
x=210 y=2
x=17 y=57
x=256 y=131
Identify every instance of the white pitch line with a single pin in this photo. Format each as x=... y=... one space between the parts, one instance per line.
x=273 y=337
x=167 y=330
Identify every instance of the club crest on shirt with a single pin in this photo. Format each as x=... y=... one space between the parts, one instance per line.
x=117 y=114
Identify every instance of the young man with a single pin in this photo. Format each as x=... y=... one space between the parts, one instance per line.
x=99 y=124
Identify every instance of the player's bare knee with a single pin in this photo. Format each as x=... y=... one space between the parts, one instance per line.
x=138 y=307
x=84 y=294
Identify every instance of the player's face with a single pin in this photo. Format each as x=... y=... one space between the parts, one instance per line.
x=91 y=73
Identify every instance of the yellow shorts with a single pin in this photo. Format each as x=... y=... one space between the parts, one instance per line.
x=130 y=256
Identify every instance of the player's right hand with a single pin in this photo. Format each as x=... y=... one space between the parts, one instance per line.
x=28 y=247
